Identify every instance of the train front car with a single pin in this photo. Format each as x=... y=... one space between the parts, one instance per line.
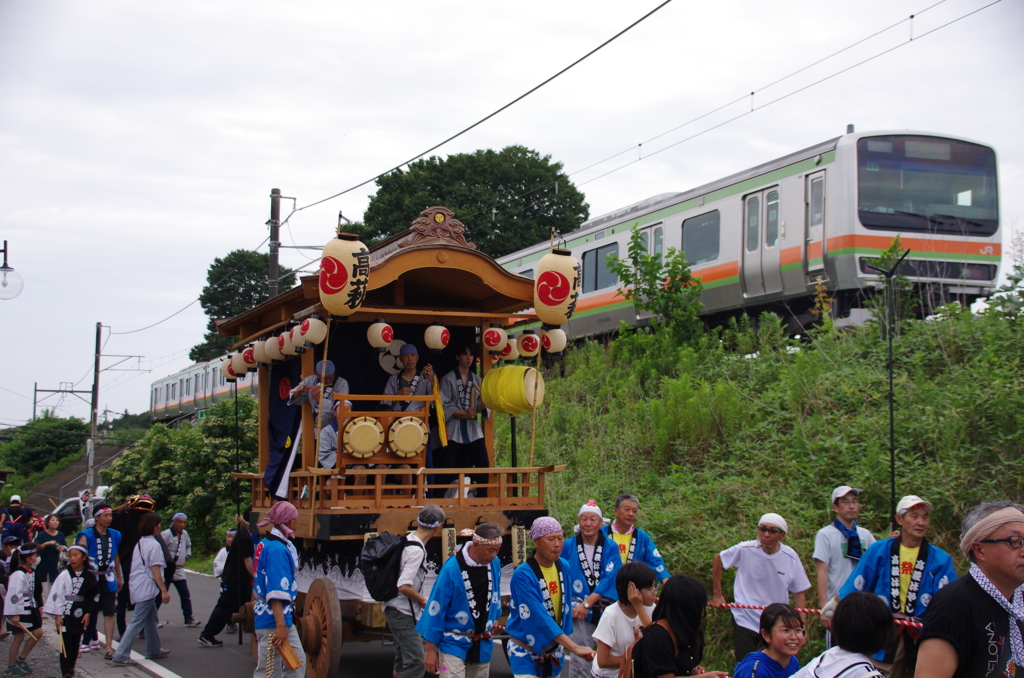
x=427 y=280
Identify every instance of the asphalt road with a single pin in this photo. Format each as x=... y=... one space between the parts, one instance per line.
x=188 y=659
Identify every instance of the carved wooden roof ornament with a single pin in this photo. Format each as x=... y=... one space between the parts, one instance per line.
x=437 y=224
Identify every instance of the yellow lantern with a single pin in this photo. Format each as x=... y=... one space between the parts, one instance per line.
x=380 y=335
x=273 y=348
x=556 y=287
x=344 y=274
x=529 y=344
x=259 y=351
x=436 y=337
x=511 y=350
x=554 y=340
x=227 y=370
x=312 y=331
x=495 y=339
x=249 y=359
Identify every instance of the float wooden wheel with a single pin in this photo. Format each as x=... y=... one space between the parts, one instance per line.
x=321 y=629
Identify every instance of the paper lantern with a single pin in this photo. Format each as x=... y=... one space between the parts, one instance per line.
x=511 y=350
x=273 y=348
x=529 y=344
x=249 y=359
x=495 y=339
x=238 y=365
x=344 y=274
x=380 y=335
x=284 y=342
x=227 y=370
x=259 y=351
x=556 y=287
x=553 y=340
x=436 y=337
x=312 y=331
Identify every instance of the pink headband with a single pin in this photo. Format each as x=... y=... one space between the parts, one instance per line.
x=544 y=526
x=988 y=525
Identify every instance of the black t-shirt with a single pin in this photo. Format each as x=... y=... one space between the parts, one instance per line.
x=241 y=548
x=652 y=656
x=977 y=627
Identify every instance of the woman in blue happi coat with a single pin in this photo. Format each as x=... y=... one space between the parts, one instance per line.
x=465 y=602
x=540 y=620
x=593 y=561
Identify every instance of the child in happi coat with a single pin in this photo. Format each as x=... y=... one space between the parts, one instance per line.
x=73 y=598
x=21 y=610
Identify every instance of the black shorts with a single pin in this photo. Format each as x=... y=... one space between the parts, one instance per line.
x=30 y=621
x=108 y=602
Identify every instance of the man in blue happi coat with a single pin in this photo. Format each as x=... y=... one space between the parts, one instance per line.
x=463 y=606
x=274 y=564
x=906 y=571
x=634 y=543
x=540 y=619
x=593 y=561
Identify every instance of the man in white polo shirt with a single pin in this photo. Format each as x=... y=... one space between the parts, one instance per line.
x=767 y=571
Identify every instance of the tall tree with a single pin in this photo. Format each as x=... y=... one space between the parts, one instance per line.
x=507 y=199
x=43 y=440
x=234 y=284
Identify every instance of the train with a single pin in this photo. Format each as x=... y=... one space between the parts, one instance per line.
x=188 y=393
x=763 y=239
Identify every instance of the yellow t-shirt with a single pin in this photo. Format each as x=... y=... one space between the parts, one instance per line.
x=551 y=579
x=623 y=541
x=908 y=558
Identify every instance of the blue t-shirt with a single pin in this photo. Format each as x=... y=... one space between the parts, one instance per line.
x=273 y=579
x=760 y=665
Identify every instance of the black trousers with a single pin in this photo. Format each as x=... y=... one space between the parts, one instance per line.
x=231 y=598
x=462 y=455
x=71 y=641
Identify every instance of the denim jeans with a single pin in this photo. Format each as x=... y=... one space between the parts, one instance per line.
x=186 y=598
x=144 y=619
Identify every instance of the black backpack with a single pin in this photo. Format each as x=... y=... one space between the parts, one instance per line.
x=381 y=562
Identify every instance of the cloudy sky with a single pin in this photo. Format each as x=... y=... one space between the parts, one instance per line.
x=138 y=141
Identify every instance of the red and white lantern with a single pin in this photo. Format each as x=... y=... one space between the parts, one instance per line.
x=511 y=350
x=556 y=287
x=259 y=351
x=249 y=359
x=554 y=340
x=238 y=365
x=227 y=370
x=344 y=274
x=312 y=331
x=495 y=339
x=292 y=344
x=273 y=348
x=380 y=335
x=529 y=344
x=437 y=337
x=284 y=343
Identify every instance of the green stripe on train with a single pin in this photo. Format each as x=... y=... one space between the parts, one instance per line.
x=917 y=254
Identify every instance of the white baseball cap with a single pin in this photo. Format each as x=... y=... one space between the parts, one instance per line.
x=912 y=501
x=842 y=491
x=15 y=497
x=774 y=519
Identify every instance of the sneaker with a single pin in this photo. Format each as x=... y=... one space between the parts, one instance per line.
x=14 y=671
x=231 y=629
x=126 y=662
x=160 y=623
x=160 y=655
x=192 y=621
x=95 y=645
x=23 y=665
x=210 y=642
x=83 y=648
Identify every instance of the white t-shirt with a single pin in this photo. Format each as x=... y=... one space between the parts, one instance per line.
x=616 y=631
x=762 y=579
x=830 y=548
x=140 y=580
x=838 y=662
x=413 y=573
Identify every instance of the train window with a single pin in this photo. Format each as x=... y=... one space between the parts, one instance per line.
x=596 y=274
x=528 y=273
x=817 y=216
x=659 y=242
x=753 y=223
x=771 y=219
x=701 y=237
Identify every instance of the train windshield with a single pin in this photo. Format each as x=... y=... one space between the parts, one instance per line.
x=918 y=183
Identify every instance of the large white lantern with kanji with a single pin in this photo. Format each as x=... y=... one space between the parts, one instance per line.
x=344 y=274
x=556 y=287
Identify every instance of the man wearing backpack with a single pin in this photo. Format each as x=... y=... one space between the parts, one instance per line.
x=404 y=610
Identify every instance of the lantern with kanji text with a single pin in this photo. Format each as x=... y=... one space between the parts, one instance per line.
x=556 y=287
x=344 y=274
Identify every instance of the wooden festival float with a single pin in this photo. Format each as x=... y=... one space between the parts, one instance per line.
x=430 y=287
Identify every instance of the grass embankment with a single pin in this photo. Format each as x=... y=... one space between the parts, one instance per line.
x=710 y=439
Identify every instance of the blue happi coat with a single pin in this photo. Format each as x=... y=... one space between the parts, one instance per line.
x=873 y=574
x=448 y=622
x=607 y=568
x=274 y=565
x=530 y=623
x=644 y=551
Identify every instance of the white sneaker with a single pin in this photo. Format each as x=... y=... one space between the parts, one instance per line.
x=160 y=623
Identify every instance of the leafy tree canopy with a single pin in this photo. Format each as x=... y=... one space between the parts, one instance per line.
x=508 y=199
x=234 y=284
x=46 y=439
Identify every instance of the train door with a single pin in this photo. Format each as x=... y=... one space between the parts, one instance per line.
x=761 y=268
x=814 y=197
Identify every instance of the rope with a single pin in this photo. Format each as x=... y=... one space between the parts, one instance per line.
x=271 y=655
x=807 y=610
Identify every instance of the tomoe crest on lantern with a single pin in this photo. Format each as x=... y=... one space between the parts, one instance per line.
x=344 y=274
x=227 y=370
x=529 y=344
x=312 y=331
x=436 y=337
x=380 y=335
x=495 y=339
x=511 y=350
x=554 y=340
x=556 y=288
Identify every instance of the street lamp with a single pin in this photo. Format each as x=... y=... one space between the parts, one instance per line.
x=11 y=281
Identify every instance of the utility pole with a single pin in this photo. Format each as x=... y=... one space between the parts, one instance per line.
x=90 y=444
x=275 y=237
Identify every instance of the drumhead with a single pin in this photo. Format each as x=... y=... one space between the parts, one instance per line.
x=533 y=387
x=363 y=437
x=408 y=436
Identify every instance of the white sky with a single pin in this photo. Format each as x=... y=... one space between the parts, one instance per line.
x=138 y=141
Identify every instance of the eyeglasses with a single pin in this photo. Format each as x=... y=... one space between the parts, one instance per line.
x=769 y=530
x=1014 y=542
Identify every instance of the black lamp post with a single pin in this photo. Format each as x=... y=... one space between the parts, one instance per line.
x=11 y=282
